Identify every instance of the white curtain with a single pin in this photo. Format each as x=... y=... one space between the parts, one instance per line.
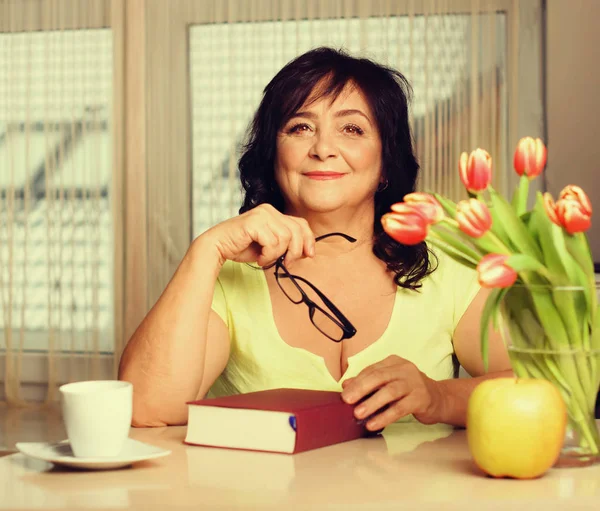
x=56 y=223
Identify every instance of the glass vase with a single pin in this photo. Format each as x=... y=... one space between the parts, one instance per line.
x=550 y=334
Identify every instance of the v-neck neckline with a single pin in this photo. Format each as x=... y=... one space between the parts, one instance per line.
x=273 y=325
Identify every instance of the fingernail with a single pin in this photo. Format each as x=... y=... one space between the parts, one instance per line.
x=349 y=398
x=372 y=425
x=311 y=251
x=359 y=411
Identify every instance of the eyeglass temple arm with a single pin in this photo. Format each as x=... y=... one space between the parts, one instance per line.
x=326 y=300
x=318 y=238
x=328 y=235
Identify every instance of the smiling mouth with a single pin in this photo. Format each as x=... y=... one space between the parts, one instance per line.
x=324 y=175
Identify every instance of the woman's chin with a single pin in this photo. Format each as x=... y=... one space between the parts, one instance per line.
x=323 y=205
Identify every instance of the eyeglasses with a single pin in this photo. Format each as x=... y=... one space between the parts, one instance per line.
x=331 y=322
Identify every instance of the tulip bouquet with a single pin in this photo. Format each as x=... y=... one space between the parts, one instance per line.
x=538 y=265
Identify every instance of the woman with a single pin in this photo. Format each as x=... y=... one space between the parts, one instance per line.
x=329 y=151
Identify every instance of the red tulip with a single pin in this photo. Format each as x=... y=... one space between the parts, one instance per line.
x=530 y=157
x=406 y=224
x=493 y=272
x=473 y=217
x=573 y=211
x=428 y=205
x=550 y=207
x=576 y=193
x=475 y=170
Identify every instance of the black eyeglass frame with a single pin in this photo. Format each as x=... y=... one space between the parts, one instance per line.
x=338 y=317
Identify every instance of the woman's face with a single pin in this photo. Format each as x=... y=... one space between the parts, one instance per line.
x=329 y=155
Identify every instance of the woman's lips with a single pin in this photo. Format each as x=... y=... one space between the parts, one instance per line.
x=323 y=176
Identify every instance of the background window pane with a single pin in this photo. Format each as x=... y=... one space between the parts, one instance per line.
x=56 y=229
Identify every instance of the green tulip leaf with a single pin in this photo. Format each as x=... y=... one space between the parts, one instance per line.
x=519 y=200
x=490 y=311
x=543 y=228
x=448 y=234
x=448 y=250
x=490 y=244
x=499 y=230
x=514 y=227
x=448 y=206
x=524 y=262
x=579 y=248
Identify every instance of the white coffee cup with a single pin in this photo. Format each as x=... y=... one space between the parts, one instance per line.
x=97 y=416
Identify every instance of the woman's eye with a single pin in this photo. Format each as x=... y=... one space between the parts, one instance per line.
x=299 y=128
x=353 y=129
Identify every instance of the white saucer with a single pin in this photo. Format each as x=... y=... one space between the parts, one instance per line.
x=61 y=454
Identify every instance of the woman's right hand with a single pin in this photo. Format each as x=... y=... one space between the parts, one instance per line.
x=262 y=235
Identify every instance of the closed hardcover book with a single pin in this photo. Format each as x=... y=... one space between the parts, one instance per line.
x=277 y=420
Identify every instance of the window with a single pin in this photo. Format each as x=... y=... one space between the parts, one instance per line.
x=56 y=233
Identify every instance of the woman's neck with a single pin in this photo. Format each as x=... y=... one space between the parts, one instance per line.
x=357 y=223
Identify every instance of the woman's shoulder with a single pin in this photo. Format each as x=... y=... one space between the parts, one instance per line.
x=454 y=283
x=235 y=274
x=448 y=270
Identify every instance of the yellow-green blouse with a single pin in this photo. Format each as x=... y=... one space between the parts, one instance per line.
x=420 y=330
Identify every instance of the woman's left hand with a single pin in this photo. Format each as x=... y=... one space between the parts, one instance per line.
x=397 y=385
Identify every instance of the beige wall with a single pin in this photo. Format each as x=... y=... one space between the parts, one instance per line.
x=573 y=101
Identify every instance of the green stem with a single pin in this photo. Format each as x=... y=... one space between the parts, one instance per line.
x=488 y=243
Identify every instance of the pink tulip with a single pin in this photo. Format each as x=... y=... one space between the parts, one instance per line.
x=530 y=157
x=572 y=211
x=475 y=170
x=428 y=205
x=493 y=271
x=406 y=224
x=473 y=217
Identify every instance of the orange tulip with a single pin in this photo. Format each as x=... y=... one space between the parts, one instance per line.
x=475 y=170
x=550 y=207
x=428 y=205
x=406 y=224
x=576 y=193
x=473 y=217
x=572 y=211
x=530 y=157
x=493 y=272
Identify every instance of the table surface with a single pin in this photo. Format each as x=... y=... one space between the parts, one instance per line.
x=410 y=466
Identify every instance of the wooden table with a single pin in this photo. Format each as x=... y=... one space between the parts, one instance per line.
x=410 y=467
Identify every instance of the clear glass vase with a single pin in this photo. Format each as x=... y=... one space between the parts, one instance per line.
x=550 y=334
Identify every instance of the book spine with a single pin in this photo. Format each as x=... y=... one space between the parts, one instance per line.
x=326 y=425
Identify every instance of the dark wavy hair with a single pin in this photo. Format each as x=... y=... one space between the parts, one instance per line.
x=388 y=94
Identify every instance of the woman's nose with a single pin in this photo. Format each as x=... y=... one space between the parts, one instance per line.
x=324 y=146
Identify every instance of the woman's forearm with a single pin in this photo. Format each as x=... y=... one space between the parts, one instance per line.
x=164 y=359
x=455 y=395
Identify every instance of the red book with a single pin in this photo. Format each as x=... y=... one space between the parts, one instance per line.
x=278 y=420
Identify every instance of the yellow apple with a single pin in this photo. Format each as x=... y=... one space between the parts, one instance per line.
x=516 y=427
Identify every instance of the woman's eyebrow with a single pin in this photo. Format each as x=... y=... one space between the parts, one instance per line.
x=340 y=113
x=352 y=111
